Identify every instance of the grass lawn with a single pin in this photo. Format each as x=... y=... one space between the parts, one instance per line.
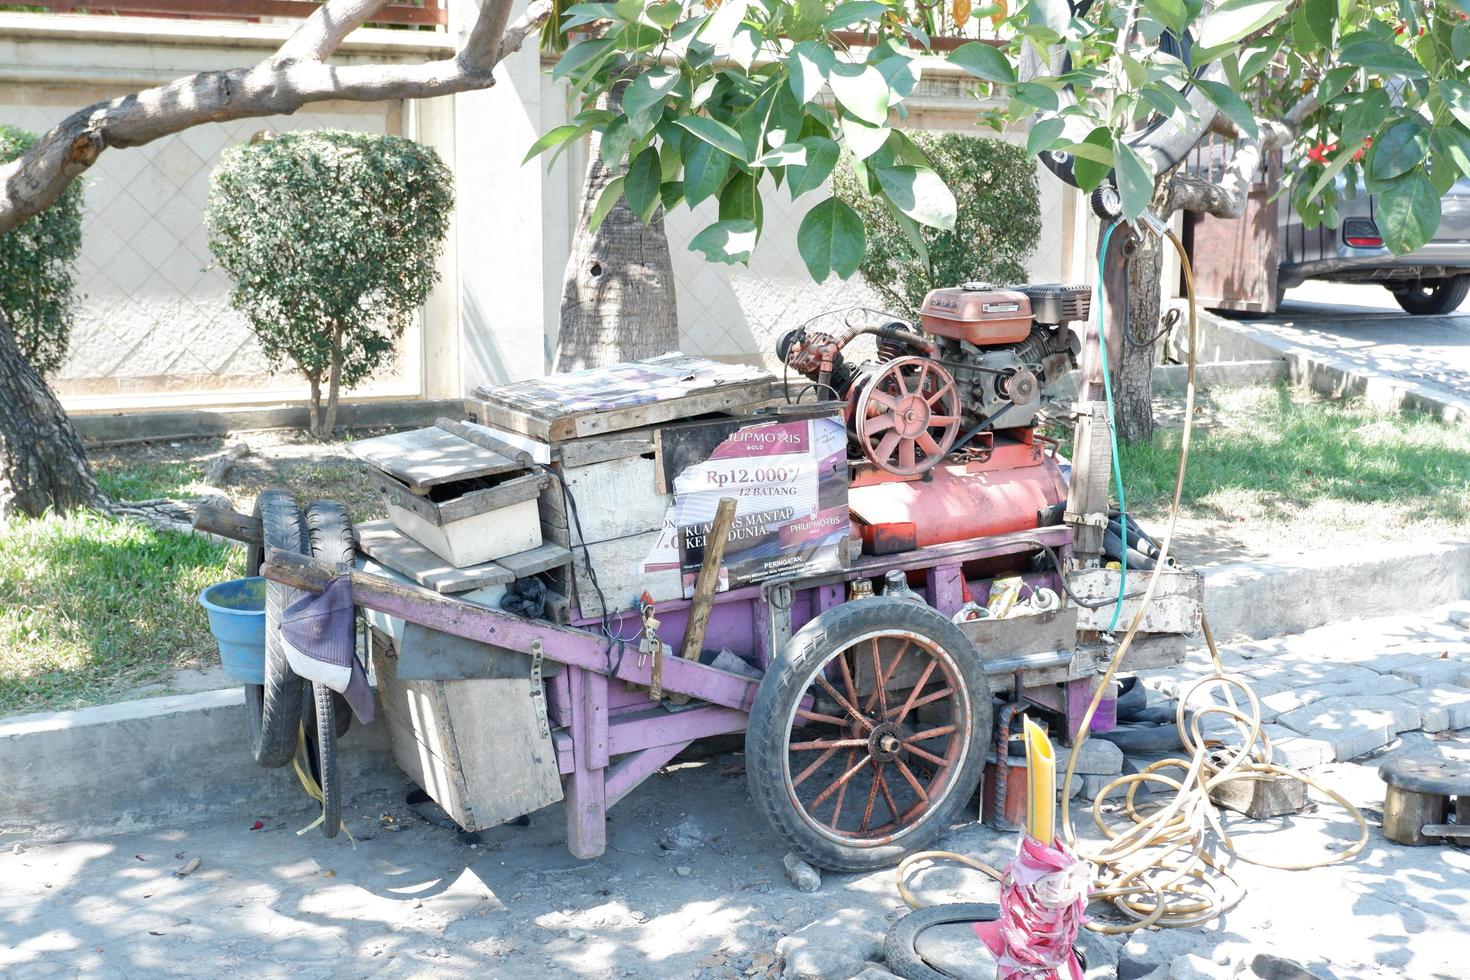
x=91 y=606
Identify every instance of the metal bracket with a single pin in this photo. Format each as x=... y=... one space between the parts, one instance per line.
x=538 y=689
x=1089 y=520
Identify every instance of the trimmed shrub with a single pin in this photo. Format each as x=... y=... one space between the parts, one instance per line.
x=331 y=238
x=995 y=233
x=37 y=287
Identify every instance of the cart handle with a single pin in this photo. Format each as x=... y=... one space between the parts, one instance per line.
x=565 y=645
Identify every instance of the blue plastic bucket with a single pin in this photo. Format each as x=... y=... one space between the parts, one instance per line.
x=237 y=619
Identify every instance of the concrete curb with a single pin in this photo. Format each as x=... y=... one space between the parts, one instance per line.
x=195 y=423
x=1170 y=379
x=164 y=761
x=1322 y=372
x=152 y=762
x=1257 y=599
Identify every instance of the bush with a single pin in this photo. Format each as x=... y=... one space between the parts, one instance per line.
x=37 y=290
x=331 y=238
x=995 y=233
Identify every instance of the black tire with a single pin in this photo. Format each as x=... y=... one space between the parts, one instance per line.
x=274 y=711
x=901 y=956
x=773 y=717
x=1433 y=297
x=329 y=532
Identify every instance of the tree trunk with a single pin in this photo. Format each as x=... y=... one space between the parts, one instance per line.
x=42 y=463
x=314 y=412
x=334 y=385
x=1138 y=327
x=618 y=292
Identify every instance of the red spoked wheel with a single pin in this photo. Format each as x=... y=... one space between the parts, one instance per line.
x=868 y=735
x=907 y=415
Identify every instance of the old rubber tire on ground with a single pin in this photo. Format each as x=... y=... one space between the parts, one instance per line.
x=274 y=711
x=883 y=730
x=329 y=533
x=901 y=955
x=1433 y=297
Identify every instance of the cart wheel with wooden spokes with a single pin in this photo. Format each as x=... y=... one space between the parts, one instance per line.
x=868 y=734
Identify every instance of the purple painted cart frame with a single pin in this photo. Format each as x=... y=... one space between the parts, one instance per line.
x=610 y=738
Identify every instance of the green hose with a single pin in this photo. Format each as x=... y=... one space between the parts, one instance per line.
x=1102 y=346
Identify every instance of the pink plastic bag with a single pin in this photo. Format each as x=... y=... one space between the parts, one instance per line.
x=1043 y=904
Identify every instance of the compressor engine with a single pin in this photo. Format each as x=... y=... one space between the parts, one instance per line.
x=980 y=363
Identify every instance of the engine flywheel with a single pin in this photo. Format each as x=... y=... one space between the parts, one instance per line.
x=907 y=415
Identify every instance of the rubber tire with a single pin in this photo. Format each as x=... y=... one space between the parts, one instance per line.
x=902 y=958
x=785 y=682
x=331 y=537
x=1444 y=297
x=329 y=533
x=273 y=712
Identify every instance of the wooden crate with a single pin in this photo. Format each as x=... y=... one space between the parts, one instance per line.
x=475 y=746
x=1176 y=606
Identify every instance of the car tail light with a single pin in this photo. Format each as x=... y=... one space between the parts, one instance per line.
x=1361 y=233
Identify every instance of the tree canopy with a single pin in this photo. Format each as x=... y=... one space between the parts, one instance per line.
x=730 y=97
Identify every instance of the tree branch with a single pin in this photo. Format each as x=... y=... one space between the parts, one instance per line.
x=1226 y=199
x=296 y=74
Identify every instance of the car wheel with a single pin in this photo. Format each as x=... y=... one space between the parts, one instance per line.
x=1433 y=297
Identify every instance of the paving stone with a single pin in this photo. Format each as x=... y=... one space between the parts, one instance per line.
x=1353 y=725
x=1391 y=663
x=1094 y=785
x=1441 y=708
x=1278 y=703
x=1434 y=673
x=1288 y=748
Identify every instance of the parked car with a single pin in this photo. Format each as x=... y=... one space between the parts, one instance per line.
x=1431 y=281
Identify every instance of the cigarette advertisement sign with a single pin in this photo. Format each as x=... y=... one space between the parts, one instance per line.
x=789 y=483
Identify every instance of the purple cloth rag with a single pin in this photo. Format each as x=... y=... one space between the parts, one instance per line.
x=324 y=629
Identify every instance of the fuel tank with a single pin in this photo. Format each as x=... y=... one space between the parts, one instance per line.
x=960 y=501
x=977 y=313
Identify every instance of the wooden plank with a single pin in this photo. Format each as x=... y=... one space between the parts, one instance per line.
x=415 y=712
x=614 y=499
x=389 y=546
x=619 y=565
x=535 y=561
x=739 y=398
x=1176 y=605
x=600 y=449
x=708 y=579
x=424 y=458
x=509 y=765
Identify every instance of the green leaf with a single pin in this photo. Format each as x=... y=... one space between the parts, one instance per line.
x=1454 y=143
x=665 y=15
x=648 y=90
x=1334 y=168
x=1173 y=14
x=861 y=90
x=1234 y=19
x=705 y=169
x=715 y=133
x=1460 y=43
x=720 y=28
x=1456 y=96
x=1088 y=171
x=1054 y=15
x=853 y=12
x=580 y=55
x=554 y=137
x=1401 y=148
x=1321 y=16
x=863 y=140
x=1037 y=95
x=1135 y=180
x=809 y=64
x=641 y=185
x=786 y=155
x=984 y=62
x=1044 y=132
x=831 y=239
x=741 y=198
x=1408 y=212
x=919 y=193
x=821 y=156
x=615 y=141
x=726 y=241
x=913 y=233
x=902 y=74
x=609 y=199
x=1334 y=82
x=1232 y=105
x=1364 y=115
x=1382 y=57
x=671 y=194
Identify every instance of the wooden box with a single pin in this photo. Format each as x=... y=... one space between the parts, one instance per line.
x=465 y=503
x=1176 y=606
x=480 y=748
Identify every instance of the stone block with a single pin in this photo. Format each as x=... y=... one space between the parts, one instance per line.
x=1434 y=673
x=1391 y=663
x=1441 y=708
x=838 y=946
x=1098 y=757
x=1353 y=725
x=1092 y=786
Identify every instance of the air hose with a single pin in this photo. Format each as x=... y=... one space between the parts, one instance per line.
x=1102 y=347
x=1158 y=868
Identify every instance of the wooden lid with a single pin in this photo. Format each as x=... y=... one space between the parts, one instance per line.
x=425 y=458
